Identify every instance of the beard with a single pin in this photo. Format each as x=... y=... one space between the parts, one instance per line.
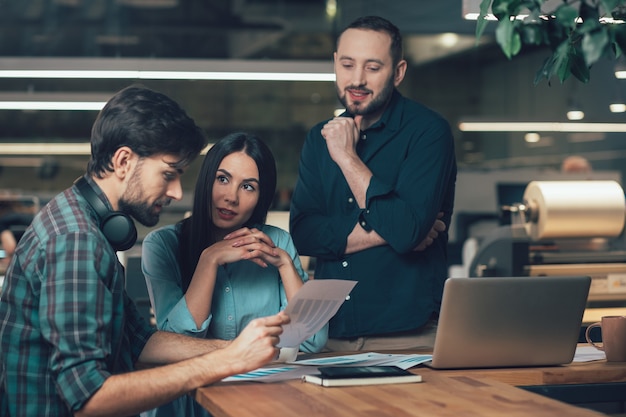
x=134 y=204
x=142 y=212
x=377 y=104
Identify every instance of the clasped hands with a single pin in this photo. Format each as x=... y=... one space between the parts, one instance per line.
x=250 y=244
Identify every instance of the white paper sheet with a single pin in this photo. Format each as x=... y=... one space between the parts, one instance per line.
x=404 y=361
x=588 y=354
x=310 y=309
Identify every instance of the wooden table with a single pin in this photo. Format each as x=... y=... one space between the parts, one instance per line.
x=438 y=395
x=595 y=372
x=443 y=393
x=598 y=385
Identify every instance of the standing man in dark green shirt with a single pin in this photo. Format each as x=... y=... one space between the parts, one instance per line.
x=372 y=186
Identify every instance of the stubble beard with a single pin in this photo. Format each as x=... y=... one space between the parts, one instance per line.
x=377 y=104
x=134 y=204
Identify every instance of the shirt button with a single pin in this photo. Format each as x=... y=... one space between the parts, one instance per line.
x=363 y=136
x=350 y=200
x=347 y=298
x=230 y=318
x=227 y=289
x=344 y=264
x=367 y=211
x=363 y=224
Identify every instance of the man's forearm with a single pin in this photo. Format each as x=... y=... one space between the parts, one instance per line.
x=131 y=393
x=358 y=177
x=359 y=240
x=165 y=347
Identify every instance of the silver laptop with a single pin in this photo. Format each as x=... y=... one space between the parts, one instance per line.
x=509 y=321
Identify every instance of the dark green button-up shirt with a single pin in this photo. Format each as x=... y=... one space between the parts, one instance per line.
x=410 y=152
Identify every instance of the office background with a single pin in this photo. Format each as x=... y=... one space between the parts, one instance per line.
x=448 y=70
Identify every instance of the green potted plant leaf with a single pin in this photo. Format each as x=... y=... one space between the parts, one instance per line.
x=578 y=33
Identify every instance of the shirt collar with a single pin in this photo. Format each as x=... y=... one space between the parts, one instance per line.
x=98 y=191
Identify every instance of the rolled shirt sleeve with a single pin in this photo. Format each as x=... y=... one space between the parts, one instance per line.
x=84 y=317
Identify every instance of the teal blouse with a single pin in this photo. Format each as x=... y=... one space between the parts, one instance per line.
x=243 y=290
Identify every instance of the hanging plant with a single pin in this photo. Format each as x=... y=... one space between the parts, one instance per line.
x=578 y=33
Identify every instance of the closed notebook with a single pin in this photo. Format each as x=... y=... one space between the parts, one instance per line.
x=343 y=376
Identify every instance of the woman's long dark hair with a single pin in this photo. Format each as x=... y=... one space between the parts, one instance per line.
x=198 y=231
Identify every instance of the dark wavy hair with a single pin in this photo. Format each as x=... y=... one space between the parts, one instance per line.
x=198 y=231
x=379 y=24
x=146 y=121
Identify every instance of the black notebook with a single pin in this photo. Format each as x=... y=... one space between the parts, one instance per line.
x=343 y=376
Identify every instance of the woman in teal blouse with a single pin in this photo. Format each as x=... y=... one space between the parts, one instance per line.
x=215 y=271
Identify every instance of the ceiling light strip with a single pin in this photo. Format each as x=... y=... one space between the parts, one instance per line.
x=491 y=17
x=166 y=69
x=12 y=149
x=471 y=10
x=541 y=127
x=52 y=105
x=45 y=149
x=169 y=75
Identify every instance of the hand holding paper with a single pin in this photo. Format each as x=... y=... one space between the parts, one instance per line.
x=311 y=308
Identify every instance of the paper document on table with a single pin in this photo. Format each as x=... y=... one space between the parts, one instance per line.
x=296 y=369
x=273 y=374
x=588 y=354
x=404 y=361
x=310 y=309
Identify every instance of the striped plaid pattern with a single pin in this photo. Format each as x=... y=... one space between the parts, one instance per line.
x=66 y=321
